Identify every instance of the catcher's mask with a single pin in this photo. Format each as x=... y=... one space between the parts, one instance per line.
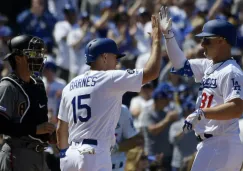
x=29 y=46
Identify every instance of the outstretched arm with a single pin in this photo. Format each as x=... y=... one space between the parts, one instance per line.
x=175 y=54
x=152 y=67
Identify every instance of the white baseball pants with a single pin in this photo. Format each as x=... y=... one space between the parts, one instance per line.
x=219 y=153
x=76 y=161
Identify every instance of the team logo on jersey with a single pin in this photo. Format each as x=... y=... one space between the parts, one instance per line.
x=208 y=83
x=130 y=71
x=21 y=108
x=236 y=85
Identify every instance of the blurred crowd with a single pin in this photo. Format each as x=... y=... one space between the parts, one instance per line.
x=159 y=109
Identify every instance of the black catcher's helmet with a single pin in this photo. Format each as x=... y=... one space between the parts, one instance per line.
x=30 y=46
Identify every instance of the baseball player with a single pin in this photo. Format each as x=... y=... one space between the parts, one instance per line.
x=126 y=138
x=91 y=104
x=219 y=104
x=23 y=107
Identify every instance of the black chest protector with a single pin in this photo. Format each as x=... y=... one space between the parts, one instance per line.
x=35 y=94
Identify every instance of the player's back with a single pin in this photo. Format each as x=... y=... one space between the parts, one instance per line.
x=91 y=103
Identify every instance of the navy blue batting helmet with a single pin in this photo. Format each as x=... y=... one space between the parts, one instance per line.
x=219 y=28
x=99 y=46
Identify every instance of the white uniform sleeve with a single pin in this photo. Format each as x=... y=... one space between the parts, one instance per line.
x=128 y=80
x=175 y=54
x=63 y=113
x=128 y=129
x=231 y=85
x=198 y=67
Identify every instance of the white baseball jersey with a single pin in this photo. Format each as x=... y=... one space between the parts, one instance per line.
x=91 y=103
x=124 y=130
x=220 y=83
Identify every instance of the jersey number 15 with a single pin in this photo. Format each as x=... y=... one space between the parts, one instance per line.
x=77 y=105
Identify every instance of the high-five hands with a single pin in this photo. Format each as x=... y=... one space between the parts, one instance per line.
x=193 y=119
x=156 y=33
x=165 y=22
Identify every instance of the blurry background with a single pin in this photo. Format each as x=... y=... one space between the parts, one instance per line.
x=67 y=26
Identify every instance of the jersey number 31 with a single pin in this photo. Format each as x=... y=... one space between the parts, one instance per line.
x=206 y=100
x=77 y=105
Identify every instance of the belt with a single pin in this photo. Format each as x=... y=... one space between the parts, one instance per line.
x=88 y=141
x=34 y=145
x=120 y=166
x=37 y=147
x=205 y=135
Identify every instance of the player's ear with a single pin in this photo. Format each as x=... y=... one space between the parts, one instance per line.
x=18 y=59
x=105 y=58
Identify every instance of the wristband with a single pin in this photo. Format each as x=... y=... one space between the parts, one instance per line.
x=62 y=152
x=169 y=35
x=201 y=114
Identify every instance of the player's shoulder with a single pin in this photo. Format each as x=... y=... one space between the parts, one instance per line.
x=231 y=67
x=202 y=61
x=96 y=73
x=79 y=78
x=124 y=110
x=7 y=85
x=113 y=73
x=5 y=82
x=124 y=107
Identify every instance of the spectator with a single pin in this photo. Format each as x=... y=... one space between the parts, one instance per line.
x=102 y=23
x=139 y=102
x=188 y=17
x=37 y=21
x=54 y=86
x=78 y=37
x=184 y=143
x=55 y=7
x=121 y=34
x=143 y=41
x=94 y=7
x=126 y=138
x=61 y=30
x=5 y=34
x=156 y=121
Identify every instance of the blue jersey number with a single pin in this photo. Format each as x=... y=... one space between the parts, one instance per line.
x=77 y=105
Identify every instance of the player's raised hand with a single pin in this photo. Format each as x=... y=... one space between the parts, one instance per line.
x=156 y=33
x=193 y=119
x=165 y=21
